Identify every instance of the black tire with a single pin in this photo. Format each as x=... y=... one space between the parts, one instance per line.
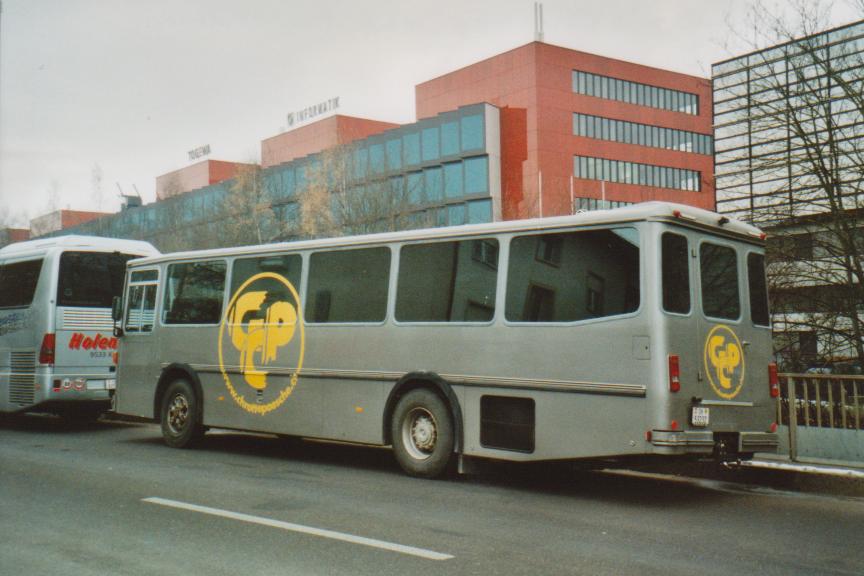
x=181 y=426
x=422 y=433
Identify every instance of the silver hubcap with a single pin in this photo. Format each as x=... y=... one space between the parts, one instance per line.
x=178 y=413
x=419 y=433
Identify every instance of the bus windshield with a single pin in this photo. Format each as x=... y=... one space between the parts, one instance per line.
x=90 y=279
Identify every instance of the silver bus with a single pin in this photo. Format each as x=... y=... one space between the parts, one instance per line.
x=56 y=339
x=629 y=333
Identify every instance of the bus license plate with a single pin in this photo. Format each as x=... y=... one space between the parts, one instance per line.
x=95 y=384
x=699 y=416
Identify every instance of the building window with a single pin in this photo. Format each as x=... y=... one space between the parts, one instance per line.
x=634 y=93
x=472 y=133
x=633 y=173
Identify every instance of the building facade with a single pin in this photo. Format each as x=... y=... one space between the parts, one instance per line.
x=578 y=128
x=537 y=131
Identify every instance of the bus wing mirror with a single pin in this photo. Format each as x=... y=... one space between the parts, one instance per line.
x=117 y=308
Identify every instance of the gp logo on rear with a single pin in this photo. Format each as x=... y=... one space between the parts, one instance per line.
x=724 y=361
x=261 y=326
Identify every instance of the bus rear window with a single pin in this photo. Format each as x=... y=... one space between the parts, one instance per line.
x=91 y=279
x=18 y=283
x=758 y=289
x=676 y=274
x=719 y=275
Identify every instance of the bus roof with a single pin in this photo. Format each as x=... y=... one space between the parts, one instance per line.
x=43 y=245
x=653 y=211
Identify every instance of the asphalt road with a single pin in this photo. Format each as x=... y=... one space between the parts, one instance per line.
x=112 y=499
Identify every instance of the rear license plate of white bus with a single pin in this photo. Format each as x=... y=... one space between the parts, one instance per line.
x=699 y=417
x=95 y=384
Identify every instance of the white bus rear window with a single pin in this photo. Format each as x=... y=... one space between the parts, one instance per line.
x=91 y=279
x=18 y=283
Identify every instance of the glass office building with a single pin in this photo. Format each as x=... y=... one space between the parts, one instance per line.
x=783 y=115
x=446 y=167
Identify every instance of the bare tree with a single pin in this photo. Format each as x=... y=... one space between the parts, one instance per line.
x=248 y=216
x=805 y=168
x=344 y=194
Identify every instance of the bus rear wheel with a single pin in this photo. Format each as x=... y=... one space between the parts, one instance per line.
x=422 y=433
x=179 y=415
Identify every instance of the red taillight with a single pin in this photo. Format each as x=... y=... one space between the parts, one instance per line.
x=773 y=380
x=674 y=373
x=46 y=352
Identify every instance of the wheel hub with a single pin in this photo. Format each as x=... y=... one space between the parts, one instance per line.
x=420 y=433
x=178 y=413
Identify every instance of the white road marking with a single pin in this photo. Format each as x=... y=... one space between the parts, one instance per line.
x=341 y=536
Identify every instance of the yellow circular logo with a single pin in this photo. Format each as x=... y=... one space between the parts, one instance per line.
x=262 y=324
x=724 y=361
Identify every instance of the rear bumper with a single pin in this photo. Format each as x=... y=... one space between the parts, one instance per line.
x=706 y=441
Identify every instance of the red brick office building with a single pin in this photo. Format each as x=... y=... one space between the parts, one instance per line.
x=654 y=125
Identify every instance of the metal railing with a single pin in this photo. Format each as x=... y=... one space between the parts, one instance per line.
x=820 y=401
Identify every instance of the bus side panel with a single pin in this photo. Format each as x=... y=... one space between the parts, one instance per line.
x=24 y=382
x=299 y=413
x=19 y=354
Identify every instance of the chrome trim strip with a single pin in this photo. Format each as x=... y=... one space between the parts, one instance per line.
x=611 y=389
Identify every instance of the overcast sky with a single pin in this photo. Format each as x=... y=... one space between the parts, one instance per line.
x=130 y=86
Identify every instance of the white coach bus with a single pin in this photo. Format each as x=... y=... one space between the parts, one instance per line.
x=630 y=333
x=56 y=338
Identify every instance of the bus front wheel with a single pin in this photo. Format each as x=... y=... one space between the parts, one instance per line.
x=422 y=433
x=180 y=426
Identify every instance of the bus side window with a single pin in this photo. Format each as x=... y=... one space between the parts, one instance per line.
x=140 y=312
x=572 y=276
x=194 y=292
x=676 y=273
x=286 y=266
x=18 y=283
x=348 y=285
x=448 y=281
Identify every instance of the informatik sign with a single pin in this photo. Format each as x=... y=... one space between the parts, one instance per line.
x=199 y=152
x=310 y=112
